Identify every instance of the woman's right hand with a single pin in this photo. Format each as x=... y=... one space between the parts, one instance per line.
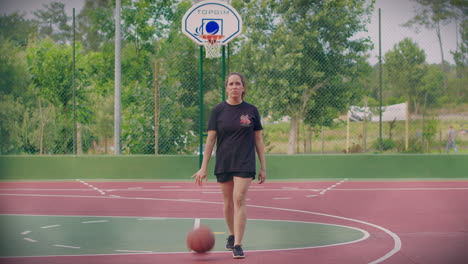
x=200 y=177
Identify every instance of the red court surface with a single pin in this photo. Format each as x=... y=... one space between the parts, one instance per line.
x=424 y=222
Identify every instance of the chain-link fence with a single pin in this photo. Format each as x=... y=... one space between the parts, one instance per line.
x=308 y=73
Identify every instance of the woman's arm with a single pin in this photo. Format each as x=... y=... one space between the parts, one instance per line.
x=260 y=147
x=201 y=174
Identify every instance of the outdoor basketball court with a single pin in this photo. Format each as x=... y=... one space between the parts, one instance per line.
x=340 y=221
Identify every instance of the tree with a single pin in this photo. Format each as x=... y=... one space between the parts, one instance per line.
x=146 y=21
x=432 y=86
x=404 y=69
x=96 y=24
x=17 y=28
x=51 y=68
x=178 y=88
x=11 y=111
x=460 y=55
x=98 y=82
x=14 y=75
x=52 y=22
x=303 y=58
x=432 y=14
x=14 y=83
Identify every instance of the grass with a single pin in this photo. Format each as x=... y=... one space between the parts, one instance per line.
x=334 y=139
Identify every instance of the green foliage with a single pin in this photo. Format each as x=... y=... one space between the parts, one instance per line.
x=11 y=111
x=14 y=75
x=302 y=59
x=52 y=22
x=355 y=148
x=431 y=128
x=387 y=144
x=16 y=28
x=146 y=21
x=95 y=24
x=415 y=145
x=404 y=66
x=307 y=63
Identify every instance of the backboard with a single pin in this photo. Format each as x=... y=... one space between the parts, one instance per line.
x=210 y=21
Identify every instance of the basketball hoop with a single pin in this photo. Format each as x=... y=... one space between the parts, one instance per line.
x=212 y=46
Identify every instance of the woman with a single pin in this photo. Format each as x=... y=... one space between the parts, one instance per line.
x=236 y=129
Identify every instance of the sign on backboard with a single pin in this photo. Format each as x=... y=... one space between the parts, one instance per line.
x=212 y=21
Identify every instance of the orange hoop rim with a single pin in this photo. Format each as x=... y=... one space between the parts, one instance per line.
x=212 y=39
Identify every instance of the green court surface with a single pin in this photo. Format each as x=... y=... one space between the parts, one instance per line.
x=29 y=235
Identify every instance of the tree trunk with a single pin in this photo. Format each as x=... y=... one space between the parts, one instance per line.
x=41 y=129
x=364 y=127
x=407 y=125
x=347 y=131
x=105 y=145
x=309 y=139
x=79 y=146
x=323 y=140
x=439 y=38
x=156 y=107
x=442 y=65
x=292 y=135
x=298 y=129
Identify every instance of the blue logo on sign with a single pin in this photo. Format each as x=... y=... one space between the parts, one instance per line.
x=210 y=27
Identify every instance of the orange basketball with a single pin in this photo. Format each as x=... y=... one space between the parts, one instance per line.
x=200 y=239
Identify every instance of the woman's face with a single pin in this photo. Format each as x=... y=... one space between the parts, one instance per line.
x=235 y=88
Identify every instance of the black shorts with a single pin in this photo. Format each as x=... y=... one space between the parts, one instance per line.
x=228 y=176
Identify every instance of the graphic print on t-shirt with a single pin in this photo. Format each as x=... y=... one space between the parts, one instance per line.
x=245 y=121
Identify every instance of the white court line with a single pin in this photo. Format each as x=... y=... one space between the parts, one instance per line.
x=30 y=239
x=395 y=237
x=26 y=232
x=155 y=190
x=152 y=219
x=197 y=223
x=50 y=226
x=65 y=246
x=132 y=251
x=91 y=186
x=97 y=221
x=402 y=189
x=332 y=186
x=282 y=198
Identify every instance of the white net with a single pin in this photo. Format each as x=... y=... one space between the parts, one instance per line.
x=213 y=51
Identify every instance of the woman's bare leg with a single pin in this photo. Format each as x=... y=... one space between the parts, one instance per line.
x=241 y=186
x=228 y=190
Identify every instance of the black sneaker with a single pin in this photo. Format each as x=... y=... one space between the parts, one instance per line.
x=230 y=243
x=238 y=253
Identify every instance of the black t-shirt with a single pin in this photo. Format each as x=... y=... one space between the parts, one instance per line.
x=235 y=127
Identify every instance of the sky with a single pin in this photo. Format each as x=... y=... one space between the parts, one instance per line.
x=397 y=12
x=394 y=13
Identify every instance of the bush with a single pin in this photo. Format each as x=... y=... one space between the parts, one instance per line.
x=355 y=148
x=414 y=146
x=387 y=144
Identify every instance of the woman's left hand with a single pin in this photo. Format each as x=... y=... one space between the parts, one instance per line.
x=261 y=176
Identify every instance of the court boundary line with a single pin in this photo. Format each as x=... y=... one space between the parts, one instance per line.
x=396 y=239
x=212 y=180
x=255 y=190
x=365 y=235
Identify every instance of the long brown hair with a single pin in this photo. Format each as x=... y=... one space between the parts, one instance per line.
x=242 y=80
